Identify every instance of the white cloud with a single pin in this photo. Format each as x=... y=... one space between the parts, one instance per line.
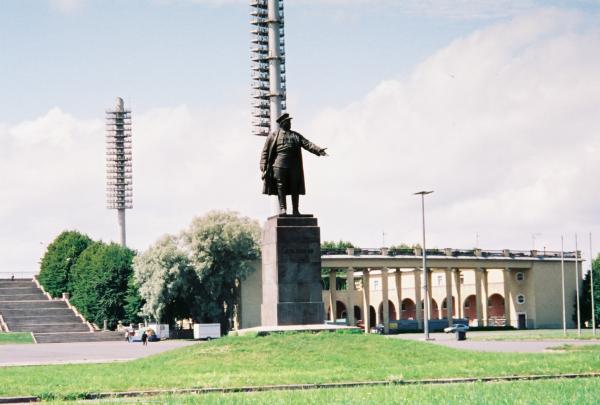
x=67 y=6
x=502 y=124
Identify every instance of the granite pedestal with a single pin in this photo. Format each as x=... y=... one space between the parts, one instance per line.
x=291 y=272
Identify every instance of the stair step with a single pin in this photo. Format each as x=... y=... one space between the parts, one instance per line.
x=36 y=319
x=78 y=337
x=20 y=290
x=23 y=297
x=58 y=328
x=35 y=304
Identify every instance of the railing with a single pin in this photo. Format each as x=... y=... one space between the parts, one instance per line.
x=449 y=252
x=17 y=274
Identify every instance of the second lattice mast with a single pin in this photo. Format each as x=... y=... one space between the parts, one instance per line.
x=119 y=188
x=268 y=65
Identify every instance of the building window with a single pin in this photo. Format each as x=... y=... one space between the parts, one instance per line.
x=462 y=279
x=520 y=276
x=520 y=299
x=439 y=280
x=375 y=284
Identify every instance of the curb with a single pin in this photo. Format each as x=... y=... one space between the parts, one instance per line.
x=17 y=400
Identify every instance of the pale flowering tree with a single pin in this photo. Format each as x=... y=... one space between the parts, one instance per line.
x=166 y=281
x=223 y=248
x=196 y=274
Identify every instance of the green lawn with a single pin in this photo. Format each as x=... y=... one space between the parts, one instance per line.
x=15 y=338
x=533 y=334
x=286 y=359
x=580 y=391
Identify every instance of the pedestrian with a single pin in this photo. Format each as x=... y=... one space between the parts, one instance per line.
x=144 y=338
x=12 y=278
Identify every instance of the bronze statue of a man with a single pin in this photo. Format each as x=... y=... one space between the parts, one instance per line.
x=281 y=164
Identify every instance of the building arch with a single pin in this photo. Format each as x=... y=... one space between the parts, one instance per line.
x=496 y=314
x=445 y=308
x=357 y=313
x=470 y=307
x=391 y=311
x=372 y=316
x=408 y=309
x=435 y=312
x=340 y=308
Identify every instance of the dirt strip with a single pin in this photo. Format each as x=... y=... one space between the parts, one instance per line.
x=293 y=387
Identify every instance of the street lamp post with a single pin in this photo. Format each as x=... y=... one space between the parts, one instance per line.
x=592 y=288
x=577 y=279
x=562 y=275
x=425 y=272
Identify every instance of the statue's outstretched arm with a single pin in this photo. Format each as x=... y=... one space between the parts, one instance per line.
x=311 y=147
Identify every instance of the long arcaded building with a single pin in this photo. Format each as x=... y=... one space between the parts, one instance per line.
x=486 y=287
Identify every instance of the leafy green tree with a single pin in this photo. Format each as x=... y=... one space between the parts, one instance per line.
x=585 y=300
x=221 y=247
x=99 y=282
x=167 y=282
x=62 y=254
x=339 y=245
x=133 y=302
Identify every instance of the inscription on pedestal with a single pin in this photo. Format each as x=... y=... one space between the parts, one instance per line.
x=291 y=272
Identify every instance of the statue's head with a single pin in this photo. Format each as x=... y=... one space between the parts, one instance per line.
x=285 y=121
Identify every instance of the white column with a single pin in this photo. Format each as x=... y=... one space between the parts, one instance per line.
x=478 y=296
x=366 y=303
x=485 y=296
x=385 y=300
x=449 y=306
x=457 y=285
x=507 y=296
x=430 y=293
x=350 y=296
x=332 y=295
x=418 y=309
x=398 y=277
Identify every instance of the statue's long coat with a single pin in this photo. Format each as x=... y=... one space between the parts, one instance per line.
x=269 y=154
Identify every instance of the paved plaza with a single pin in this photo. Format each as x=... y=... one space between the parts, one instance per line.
x=84 y=352
x=506 y=346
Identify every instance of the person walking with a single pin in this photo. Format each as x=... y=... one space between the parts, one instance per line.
x=144 y=338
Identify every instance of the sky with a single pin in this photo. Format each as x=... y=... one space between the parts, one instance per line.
x=494 y=105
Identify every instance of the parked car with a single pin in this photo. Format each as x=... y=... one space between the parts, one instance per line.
x=456 y=328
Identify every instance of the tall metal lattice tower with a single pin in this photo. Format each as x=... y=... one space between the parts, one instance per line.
x=268 y=65
x=119 y=188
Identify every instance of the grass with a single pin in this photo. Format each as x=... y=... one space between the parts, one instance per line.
x=7 y=338
x=579 y=391
x=532 y=334
x=286 y=359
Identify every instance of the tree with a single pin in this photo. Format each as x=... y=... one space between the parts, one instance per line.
x=221 y=247
x=62 y=254
x=133 y=302
x=585 y=300
x=167 y=282
x=99 y=282
x=339 y=245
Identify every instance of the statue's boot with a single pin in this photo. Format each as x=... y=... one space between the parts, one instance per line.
x=295 y=203
x=282 y=202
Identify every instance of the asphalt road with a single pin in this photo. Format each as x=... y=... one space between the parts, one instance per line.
x=506 y=346
x=89 y=352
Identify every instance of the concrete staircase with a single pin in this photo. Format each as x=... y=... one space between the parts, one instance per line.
x=25 y=308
